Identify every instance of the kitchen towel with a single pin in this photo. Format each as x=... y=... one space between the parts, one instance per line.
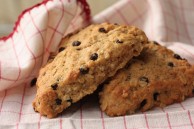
x=37 y=33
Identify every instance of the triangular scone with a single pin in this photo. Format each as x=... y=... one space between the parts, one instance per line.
x=85 y=60
x=157 y=77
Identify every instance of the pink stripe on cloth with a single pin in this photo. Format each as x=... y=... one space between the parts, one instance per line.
x=39 y=31
x=3 y=98
x=125 y=123
x=175 y=19
x=102 y=117
x=20 y=113
x=39 y=122
x=122 y=16
x=81 y=117
x=56 y=31
x=58 y=23
x=17 y=58
x=165 y=25
x=184 y=21
x=189 y=114
x=138 y=14
x=187 y=51
x=0 y=70
x=168 y=119
x=146 y=121
x=182 y=106
x=61 y=121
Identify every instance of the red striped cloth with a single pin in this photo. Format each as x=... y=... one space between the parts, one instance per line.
x=38 y=32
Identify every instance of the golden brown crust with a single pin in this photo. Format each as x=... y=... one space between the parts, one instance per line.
x=85 y=60
x=157 y=77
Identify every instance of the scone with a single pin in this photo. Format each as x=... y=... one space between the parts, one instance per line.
x=85 y=60
x=158 y=77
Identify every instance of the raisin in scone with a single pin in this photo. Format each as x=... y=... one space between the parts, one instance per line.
x=158 y=77
x=85 y=60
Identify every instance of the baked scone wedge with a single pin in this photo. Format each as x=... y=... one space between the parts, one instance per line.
x=158 y=77
x=85 y=60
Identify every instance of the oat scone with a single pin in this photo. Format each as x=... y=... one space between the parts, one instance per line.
x=85 y=60
x=158 y=77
